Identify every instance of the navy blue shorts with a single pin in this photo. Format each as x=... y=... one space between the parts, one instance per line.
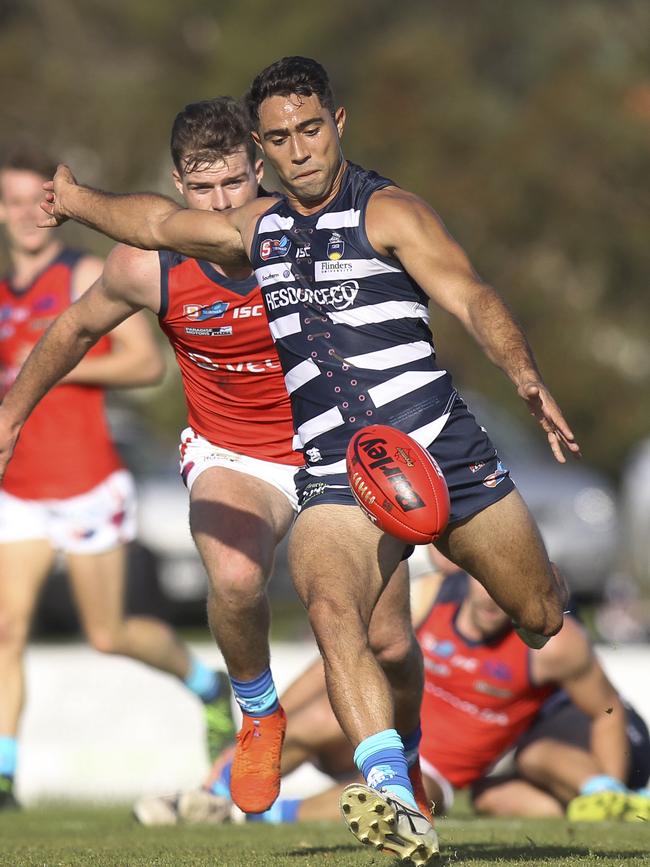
x=475 y=476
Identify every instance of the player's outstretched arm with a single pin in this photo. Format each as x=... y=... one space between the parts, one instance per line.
x=568 y=660
x=400 y=224
x=147 y=221
x=113 y=298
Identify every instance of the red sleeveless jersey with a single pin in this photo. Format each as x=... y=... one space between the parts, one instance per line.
x=233 y=382
x=64 y=448
x=478 y=697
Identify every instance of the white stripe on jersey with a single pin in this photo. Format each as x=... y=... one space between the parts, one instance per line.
x=300 y=374
x=281 y=272
x=274 y=223
x=346 y=269
x=395 y=356
x=427 y=434
x=334 y=469
x=401 y=385
x=319 y=424
x=285 y=325
x=383 y=312
x=339 y=220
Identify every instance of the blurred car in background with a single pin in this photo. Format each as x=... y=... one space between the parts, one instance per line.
x=573 y=504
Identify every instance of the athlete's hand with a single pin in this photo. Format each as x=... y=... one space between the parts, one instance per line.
x=544 y=408
x=54 y=192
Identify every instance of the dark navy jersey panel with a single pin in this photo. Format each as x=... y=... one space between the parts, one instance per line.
x=351 y=326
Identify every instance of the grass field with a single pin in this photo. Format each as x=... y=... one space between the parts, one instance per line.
x=68 y=836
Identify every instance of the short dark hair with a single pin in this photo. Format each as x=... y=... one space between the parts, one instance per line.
x=300 y=75
x=28 y=157
x=209 y=130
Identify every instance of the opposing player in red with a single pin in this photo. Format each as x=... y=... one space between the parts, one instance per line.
x=65 y=488
x=237 y=459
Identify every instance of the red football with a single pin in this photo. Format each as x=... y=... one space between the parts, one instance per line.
x=398 y=484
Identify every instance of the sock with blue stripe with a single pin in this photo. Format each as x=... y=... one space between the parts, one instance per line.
x=412 y=746
x=381 y=760
x=8 y=756
x=202 y=680
x=283 y=811
x=256 y=697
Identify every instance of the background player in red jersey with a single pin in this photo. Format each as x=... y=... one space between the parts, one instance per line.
x=533 y=733
x=65 y=488
x=237 y=458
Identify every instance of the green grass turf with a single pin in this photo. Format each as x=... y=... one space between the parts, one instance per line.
x=69 y=836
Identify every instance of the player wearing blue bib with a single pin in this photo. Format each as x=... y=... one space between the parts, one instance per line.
x=347 y=262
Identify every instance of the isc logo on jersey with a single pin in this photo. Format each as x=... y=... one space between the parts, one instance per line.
x=271 y=248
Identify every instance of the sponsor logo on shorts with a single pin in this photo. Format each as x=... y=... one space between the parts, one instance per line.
x=210 y=311
x=271 y=248
x=338 y=297
x=224 y=331
x=474 y=468
x=496 y=477
x=335 y=246
x=313 y=489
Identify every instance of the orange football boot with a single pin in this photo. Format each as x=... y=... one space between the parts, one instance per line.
x=424 y=803
x=255 y=775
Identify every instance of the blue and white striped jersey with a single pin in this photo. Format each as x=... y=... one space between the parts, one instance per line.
x=350 y=326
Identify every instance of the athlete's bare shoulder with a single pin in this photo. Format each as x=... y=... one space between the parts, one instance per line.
x=133 y=275
x=394 y=214
x=85 y=272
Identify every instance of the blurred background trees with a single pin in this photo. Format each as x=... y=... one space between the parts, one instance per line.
x=525 y=124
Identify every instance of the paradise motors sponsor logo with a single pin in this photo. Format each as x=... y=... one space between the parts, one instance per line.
x=337 y=297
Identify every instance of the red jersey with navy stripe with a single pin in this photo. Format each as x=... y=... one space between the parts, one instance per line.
x=233 y=382
x=478 y=696
x=64 y=448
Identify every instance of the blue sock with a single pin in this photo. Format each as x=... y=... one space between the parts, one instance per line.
x=256 y=697
x=381 y=760
x=412 y=746
x=202 y=680
x=284 y=810
x=221 y=786
x=8 y=756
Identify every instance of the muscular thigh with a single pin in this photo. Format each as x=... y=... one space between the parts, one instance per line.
x=237 y=520
x=502 y=547
x=335 y=551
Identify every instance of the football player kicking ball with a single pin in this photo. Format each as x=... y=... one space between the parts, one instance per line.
x=531 y=733
x=66 y=488
x=236 y=454
x=347 y=262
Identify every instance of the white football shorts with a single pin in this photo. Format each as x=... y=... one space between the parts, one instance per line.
x=89 y=523
x=198 y=454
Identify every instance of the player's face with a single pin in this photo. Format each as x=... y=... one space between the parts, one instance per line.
x=227 y=183
x=485 y=614
x=302 y=141
x=20 y=194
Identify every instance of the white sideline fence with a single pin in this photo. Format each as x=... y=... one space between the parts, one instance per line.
x=106 y=729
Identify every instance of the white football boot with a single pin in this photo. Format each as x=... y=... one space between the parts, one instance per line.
x=386 y=822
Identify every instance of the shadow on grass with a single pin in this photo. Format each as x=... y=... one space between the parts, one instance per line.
x=465 y=853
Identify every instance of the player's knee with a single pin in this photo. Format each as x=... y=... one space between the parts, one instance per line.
x=238 y=587
x=535 y=757
x=396 y=651
x=104 y=640
x=13 y=635
x=332 y=620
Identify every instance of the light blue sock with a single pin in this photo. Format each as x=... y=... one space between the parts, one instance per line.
x=381 y=760
x=8 y=756
x=285 y=810
x=602 y=783
x=202 y=680
x=257 y=697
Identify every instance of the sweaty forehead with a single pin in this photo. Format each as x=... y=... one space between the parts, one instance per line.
x=216 y=171
x=289 y=110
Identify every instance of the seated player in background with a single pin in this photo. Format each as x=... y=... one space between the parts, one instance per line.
x=66 y=488
x=566 y=741
x=237 y=457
